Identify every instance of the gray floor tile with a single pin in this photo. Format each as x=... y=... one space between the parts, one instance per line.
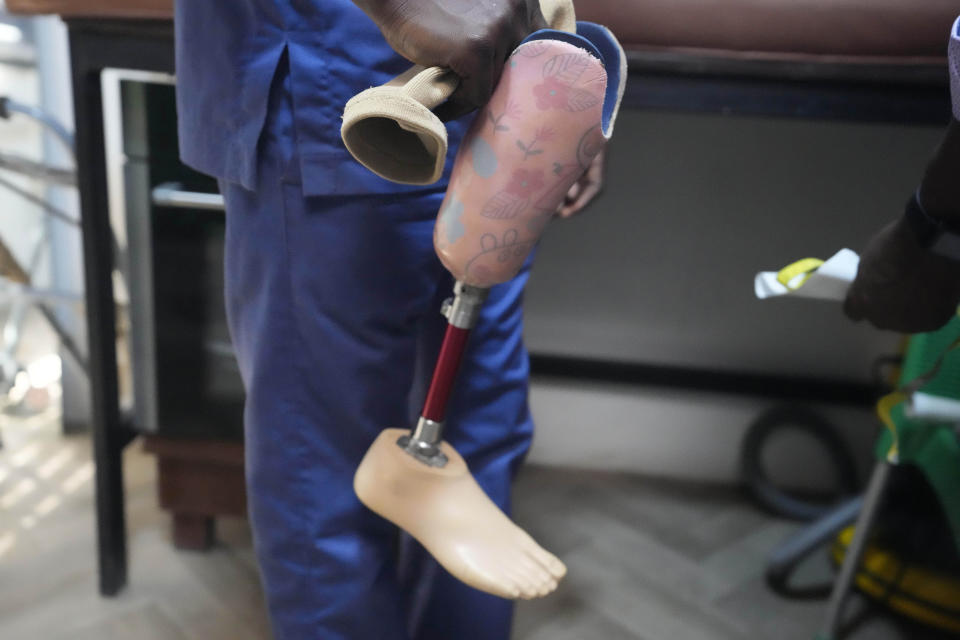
x=144 y=623
x=648 y=560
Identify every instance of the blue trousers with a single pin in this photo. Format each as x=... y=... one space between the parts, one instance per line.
x=333 y=304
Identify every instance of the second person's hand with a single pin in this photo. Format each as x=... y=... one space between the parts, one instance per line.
x=584 y=190
x=901 y=286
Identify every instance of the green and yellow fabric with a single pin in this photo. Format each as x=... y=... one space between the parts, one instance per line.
x=931 y=365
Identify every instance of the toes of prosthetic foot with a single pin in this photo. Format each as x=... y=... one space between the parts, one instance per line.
x=557 y=568
x=544 y=558
x=527 y=584
x=450 y=515
x=544 y=583
x=499 y=583
x=547 y=587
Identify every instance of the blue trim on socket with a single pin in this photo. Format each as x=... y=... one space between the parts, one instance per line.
x=601 y=37
x=564 y=36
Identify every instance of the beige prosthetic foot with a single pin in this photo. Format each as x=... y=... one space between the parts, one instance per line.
x=449 y=514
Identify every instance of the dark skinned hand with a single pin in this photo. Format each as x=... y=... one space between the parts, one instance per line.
x=899 y=284
x=471 y=37
x=902 y=286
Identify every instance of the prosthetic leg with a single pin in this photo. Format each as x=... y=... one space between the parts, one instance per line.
x=551 y=113
x=420 y=483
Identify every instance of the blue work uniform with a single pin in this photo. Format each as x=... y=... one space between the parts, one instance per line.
x=333 y=293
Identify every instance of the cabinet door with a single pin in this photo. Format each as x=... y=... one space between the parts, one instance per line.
x=185 y=380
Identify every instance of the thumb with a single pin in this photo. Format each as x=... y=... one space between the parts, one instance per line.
x=453 y=109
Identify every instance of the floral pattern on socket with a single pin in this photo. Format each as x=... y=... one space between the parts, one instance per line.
x=525 y=149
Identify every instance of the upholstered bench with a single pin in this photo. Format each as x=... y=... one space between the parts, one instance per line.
x=819 y=58
x=874 y=32
x=864 y=32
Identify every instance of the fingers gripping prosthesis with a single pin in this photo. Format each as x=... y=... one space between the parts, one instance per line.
x=392 y=130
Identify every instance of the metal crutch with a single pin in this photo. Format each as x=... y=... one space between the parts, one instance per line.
x=854 y=555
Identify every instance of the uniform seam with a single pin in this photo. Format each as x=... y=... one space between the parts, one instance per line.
x=297 y=342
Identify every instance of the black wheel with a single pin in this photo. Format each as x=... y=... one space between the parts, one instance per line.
x=772 y=497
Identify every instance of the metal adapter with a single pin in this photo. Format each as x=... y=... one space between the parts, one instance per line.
x=463 y=310
x=424 y=443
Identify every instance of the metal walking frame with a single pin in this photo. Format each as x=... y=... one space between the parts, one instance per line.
x=16 y=279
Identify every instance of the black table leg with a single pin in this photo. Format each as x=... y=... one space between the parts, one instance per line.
x=96 y=44
x=109 y=437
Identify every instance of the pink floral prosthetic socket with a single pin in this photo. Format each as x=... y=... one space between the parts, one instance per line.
x=534 y=139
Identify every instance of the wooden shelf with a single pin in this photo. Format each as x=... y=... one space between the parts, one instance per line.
x=152 y=9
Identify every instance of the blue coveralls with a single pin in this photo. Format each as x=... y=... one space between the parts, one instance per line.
x=333 y=293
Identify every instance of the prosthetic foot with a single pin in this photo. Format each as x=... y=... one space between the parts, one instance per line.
x=551 y=113
x=422 y=485
x=446 y=510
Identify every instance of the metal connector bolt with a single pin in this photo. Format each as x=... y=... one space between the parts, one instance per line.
x=424 y=443
x=464 y=309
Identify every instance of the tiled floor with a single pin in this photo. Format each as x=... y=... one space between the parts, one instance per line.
x=47 y=568
x=648 y=560
x=657 y=560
